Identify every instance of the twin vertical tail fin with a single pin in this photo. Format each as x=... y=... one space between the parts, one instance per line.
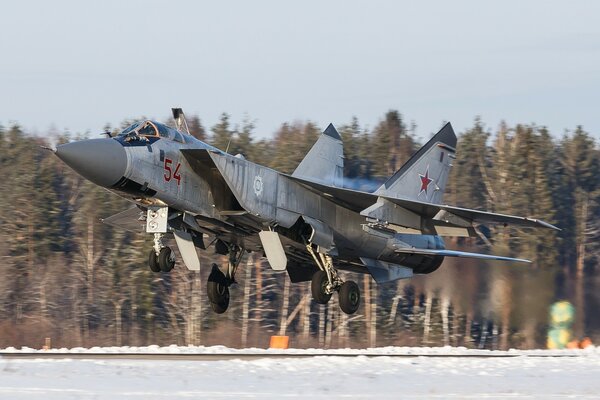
x=324 y=163
x=424 y=176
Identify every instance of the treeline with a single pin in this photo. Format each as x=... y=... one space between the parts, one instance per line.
x=65 y=275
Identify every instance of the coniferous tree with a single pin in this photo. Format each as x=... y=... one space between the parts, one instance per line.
x=467 y=178
x=196 y=128
x=291 y=143
x=222 y=135
x=243 y=143
x=581 y=167
x=351 y=136
x=391 y=146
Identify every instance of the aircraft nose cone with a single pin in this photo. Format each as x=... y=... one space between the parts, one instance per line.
x=102 y=161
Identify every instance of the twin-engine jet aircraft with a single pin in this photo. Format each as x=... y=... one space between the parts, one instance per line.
x=305 y=223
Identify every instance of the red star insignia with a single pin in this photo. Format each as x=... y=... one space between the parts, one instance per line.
x=425 y=181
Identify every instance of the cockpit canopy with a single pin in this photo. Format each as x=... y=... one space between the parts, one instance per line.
x=150 y=128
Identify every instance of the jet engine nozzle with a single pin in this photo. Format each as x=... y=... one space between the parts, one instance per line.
x=102 y=161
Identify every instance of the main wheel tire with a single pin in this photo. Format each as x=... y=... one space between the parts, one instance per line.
x=217 y=289
x=165 y=261
x=153 y=261
x=219 y=308
x=349 y=297
x=317 y=286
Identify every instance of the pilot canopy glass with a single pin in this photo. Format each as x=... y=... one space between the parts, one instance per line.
x=152 y=129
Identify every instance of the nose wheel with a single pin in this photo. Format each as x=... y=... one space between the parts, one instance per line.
x=153 y=261
x=163 y=262
x=161 y=258
x=166 y=259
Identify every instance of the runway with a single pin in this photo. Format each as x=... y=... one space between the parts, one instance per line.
x=256 y=356
x=182 y=372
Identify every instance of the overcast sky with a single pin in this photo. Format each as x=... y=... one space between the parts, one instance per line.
x=78 y=65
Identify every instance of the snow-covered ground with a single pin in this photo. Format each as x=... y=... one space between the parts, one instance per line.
x=591 y=351
x=532 y=374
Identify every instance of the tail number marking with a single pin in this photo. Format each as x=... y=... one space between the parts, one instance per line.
x=169 y=173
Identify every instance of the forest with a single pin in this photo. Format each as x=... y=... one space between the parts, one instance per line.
x=67 y=276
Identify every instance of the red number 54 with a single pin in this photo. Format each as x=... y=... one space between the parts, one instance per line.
x=169 y=173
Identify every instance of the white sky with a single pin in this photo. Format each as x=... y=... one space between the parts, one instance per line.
x=78 y=64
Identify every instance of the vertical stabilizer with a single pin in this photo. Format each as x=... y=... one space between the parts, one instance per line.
x=324 y=163
x=424 y=176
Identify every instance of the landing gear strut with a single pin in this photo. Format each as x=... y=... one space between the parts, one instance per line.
x=161 y=258
x=217 y=286
x=326 y=281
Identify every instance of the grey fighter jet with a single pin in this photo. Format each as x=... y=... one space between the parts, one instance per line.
x=305 y=223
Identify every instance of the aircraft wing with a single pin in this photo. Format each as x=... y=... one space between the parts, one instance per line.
x=348 y=198
x=455 y=253
x=440 y=214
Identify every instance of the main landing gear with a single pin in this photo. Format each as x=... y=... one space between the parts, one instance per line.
x=326 y=281
x=217 y=286
x=161 y=258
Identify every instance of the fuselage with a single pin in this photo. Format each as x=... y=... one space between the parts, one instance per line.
x=145 y=164
x=305 y=223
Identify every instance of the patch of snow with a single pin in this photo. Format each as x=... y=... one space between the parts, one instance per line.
x=390 y=350
x=316 y=377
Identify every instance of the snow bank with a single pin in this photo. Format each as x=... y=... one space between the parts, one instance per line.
x=317 y=378
x=390 y=350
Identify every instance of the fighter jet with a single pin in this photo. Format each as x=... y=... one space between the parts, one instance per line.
x=305 y=223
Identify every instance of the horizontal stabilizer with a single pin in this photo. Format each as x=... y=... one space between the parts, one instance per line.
x=461 y=216
x=455 y=253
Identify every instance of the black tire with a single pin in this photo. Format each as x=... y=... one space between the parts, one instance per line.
x=153 y=261
x=349 y=297
x=217 y=288
x=164 y=260
x=219 y=308
x=317 y=287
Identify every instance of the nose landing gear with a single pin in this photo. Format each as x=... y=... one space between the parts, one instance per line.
x=161 y=258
